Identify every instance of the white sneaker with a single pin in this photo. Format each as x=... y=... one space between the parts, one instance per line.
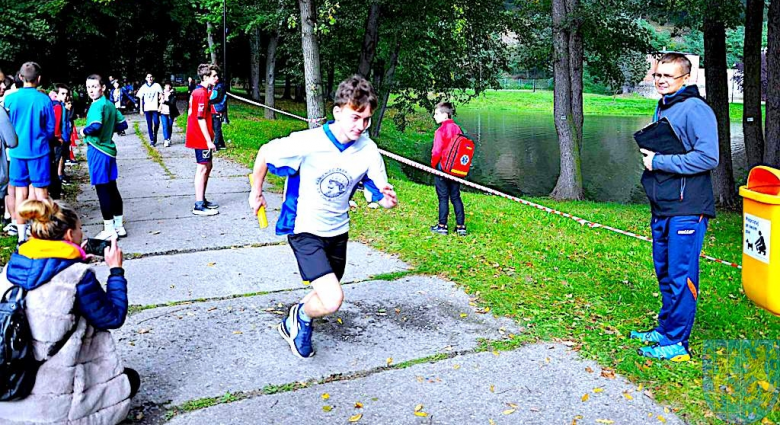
x=105 y=235
x=121 y=232
x=373 y=205
x=352 y=204
x=167 y=144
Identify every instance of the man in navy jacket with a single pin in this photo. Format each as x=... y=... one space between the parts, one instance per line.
x=679 y=188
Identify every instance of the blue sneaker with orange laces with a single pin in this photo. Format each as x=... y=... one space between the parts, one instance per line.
x=675 y=352
x=297 y=334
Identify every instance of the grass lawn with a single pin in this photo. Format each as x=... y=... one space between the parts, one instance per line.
x=559 y=280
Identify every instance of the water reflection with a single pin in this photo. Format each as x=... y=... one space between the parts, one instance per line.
x=518 y=153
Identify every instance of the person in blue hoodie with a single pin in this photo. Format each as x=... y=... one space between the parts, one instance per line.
x=218 y=102
x=82 y=378
x=679 y=188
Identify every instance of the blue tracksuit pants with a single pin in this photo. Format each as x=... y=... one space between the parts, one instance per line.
x=677 y=243
x=152 y=124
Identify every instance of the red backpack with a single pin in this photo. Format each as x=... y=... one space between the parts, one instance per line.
x=458 y=158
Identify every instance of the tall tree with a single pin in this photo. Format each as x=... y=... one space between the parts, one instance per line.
x=370 y=39
x=270 y=74
x=254 y=62
x=315 y=106
x=210 y=40
x=718 y=98
x=772 y=145
x=569 y=184
x=752 y=118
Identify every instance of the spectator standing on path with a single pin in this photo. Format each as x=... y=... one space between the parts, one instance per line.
x=218 y=102
x=322 y=166
x=61 y=138
x=200 y=138
x=103 y=120
x=32 y=114
x=168 y=113
x=191 y=86
x=149 y=95
x=8 y=140
x=446 y=190
x=83 y=381
x=679 y=188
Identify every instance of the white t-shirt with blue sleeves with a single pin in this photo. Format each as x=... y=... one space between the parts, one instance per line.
x=321 y=177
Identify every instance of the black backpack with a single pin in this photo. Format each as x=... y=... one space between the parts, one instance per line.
x=18 y=366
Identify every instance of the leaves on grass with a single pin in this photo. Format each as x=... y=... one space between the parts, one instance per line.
x=355 y=418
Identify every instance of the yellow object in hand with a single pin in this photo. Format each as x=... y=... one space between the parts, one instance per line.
x=262 y=219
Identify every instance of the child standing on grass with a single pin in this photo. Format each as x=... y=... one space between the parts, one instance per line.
x=323 y=166
x=446 y=190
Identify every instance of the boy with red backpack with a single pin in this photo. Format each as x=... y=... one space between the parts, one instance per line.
x=446 y=190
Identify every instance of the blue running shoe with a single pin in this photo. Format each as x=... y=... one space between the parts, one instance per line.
x=674 y=352
x=298 y=335
x=210 y=205
x=649 y=336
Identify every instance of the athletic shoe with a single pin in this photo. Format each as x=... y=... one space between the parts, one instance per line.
x=11 y=229
x=121 y=232
x=210 y=205
x=105 y=235
x=64 y=180
x=299 y=337
x=167 y=143
x=674 y=352
x=461 y=230
x=70 y=163
x=439 y=229
x=649 y=336
x=373 y=205
x=221 y=146
x=153 y=144
x=352 y=204
x=202 y=210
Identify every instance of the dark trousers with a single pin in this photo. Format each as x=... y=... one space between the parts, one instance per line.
x=110 y=200
x=152 y=124
x=449 y=191
x=677 y=243
x=216 y=124
x=134 y=379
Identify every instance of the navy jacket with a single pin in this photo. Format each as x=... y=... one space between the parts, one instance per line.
x=38 y=261
x=682 y=184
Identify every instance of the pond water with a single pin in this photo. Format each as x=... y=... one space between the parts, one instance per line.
x=518 y=153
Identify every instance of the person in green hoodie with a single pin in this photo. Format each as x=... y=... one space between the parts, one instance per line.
x=103 y=120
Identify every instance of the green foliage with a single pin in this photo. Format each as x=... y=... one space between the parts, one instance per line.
x=22 y=24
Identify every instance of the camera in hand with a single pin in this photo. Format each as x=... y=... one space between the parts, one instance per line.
x=96 y=246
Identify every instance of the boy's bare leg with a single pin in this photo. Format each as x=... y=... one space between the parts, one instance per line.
x=201 y=178
x=325 y=299
x=10 y=201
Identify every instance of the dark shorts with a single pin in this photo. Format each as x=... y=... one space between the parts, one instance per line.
x=203 y=156
x=23 y=172
x=318 y=256
x=102 y=168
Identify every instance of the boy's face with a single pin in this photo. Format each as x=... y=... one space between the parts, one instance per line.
x=440 y=116
x=62 y=94
x=352 y=123
x=94 y=89
x=149 y=78
x=167 y=88
x=210 y=79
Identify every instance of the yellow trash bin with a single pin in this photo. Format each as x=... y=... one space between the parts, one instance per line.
x=761 y=226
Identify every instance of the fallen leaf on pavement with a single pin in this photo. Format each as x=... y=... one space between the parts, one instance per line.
x=492 y=422
x=588 y=369
x=605 y=421
x=211 y=264
x=420 y=414
x=598 y=390
x=464 y=315
x=355 y=418
x=358 y=405
x=325 y=396
x=585 y=397
x=237 y=332
x=492 y=388
x=662 y=419
x=628 y=396
x=608 y=373
x=456 y=367
x=509 y=411
x=143 y=331
x=327 y=408
x=341 y=322
x=418 y=407
x=389 y=361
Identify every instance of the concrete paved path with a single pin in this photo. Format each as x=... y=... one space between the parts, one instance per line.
x=208 y=293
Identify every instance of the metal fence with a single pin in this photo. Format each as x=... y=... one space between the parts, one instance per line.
x=526 y=84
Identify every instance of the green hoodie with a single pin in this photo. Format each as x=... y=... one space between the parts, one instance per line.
x=104 y=113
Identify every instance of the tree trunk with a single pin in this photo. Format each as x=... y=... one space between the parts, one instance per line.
x=772 y=144
x=718 y=98
x=270 y=75
x=300 y=94
x=315 y=108
x=254 y=62
x=576 y=54
x=287 y=94
x=569 y=185
x=752 y=119
x=370 y=40
x=331 y=81
x=387 y=88
x=210 y=40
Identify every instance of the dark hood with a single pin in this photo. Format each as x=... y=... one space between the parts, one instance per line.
x=682 y=95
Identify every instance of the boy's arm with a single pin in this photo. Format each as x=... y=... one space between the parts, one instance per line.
x=260 y=170
x=376 y=183
x=7 y=131
x=438 y=146
x=48 y=116
x=58 y=122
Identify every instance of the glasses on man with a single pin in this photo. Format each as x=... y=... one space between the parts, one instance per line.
x=668 y=77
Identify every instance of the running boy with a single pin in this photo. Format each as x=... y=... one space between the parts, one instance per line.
x=323 y=166
x=200 y=137
x=446 y=190
x=32 y=115
x=103 y=120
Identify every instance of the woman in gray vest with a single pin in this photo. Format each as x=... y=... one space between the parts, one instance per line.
x=82 y=379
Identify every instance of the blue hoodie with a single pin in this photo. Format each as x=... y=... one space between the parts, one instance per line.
x=38 y=261
x=681 y=184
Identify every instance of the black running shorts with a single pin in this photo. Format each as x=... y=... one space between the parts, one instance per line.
x=318 y=256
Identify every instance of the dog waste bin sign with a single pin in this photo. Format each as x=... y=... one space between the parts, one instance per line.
x=761 y=227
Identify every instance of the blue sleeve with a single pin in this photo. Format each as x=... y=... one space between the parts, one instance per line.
x=49 y=118
x=103 y=309
x=93 y=128
x=702 y=132
x=376 y=194
x=120 y=126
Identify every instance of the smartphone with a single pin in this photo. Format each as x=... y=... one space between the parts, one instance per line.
x=96 y=246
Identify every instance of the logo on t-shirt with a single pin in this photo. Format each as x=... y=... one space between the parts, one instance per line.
x=333 y=183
